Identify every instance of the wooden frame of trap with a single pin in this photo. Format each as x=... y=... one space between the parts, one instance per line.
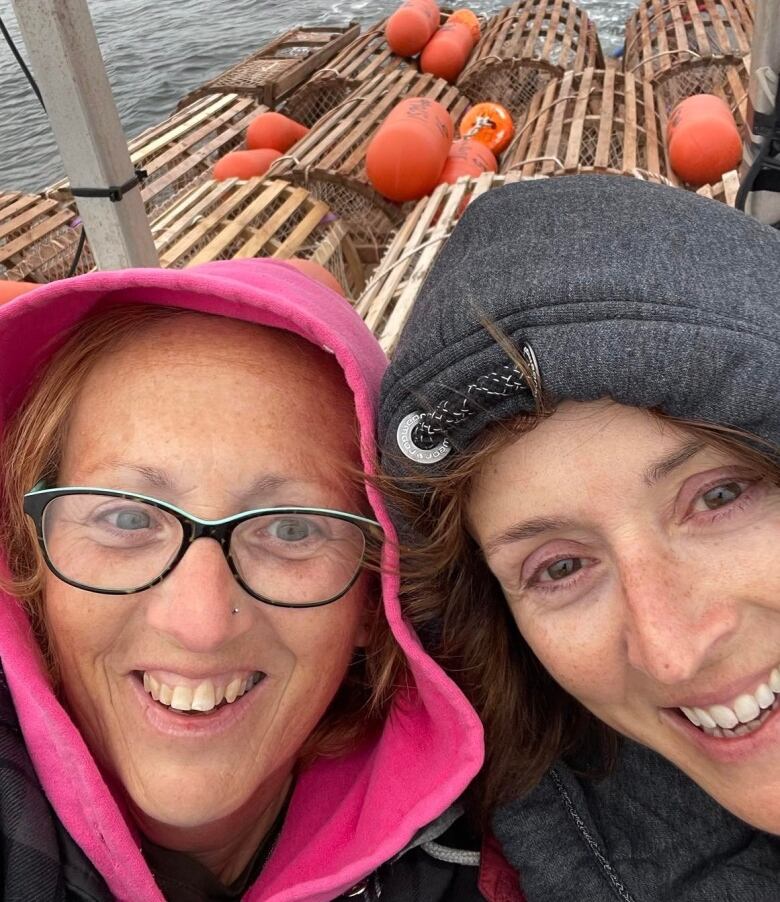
x=682 y=47
x=280 y=66
x=524 y=47
x=237 y=219
x=330 y=159
x=599 y=120
x=38 y=238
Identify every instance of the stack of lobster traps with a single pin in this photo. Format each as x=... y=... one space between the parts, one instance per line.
x=573 y=112
x=331 y=159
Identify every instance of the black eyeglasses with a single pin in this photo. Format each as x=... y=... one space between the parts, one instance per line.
x=119 y=543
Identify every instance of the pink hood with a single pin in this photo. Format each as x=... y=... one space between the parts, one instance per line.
x=347 y=816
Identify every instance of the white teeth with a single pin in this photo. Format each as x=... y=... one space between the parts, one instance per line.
x=154 y=687
x=744 y=715
x=181 y=699
x=204 y=697
x=723 y=716
x=704 y=717
x=746 y=708
x=233 y=690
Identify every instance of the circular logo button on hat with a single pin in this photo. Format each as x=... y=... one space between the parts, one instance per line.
x=411 y=450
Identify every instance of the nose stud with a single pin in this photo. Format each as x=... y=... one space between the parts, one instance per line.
x=234 y=611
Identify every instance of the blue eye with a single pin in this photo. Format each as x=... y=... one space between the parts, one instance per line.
x=132 y=519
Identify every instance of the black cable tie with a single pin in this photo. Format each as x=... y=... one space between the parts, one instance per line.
x=116 y=192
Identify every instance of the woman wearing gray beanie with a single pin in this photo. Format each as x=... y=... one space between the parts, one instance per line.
x=580 y=429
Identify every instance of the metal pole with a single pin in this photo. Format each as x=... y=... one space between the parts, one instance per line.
x=764 y=72
x=65 y=56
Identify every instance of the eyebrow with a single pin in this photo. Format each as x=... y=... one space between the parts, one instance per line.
x=667 y=464
x=525 y=530
x=529 y=529
x=161 y=479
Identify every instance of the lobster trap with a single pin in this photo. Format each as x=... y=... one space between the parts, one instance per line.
x=388 y=299
x=683 y=47
x=592 y=121
x=524 y=47
x=367 y=57
x=330 y=159
x=38 y=239
x=274 y=71
x=256 y=218
x=182 y=150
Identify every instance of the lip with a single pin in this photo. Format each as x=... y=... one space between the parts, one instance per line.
x=728 y=751
x=726 y=694
x=201 y=726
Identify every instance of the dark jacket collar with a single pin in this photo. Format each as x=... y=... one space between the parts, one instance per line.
x=647 y=833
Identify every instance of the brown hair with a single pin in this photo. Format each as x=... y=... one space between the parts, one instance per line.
x=456 y=604
x=32 y=449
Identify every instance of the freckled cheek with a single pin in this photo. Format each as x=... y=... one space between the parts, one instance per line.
x=321 y=640
x=580 y=650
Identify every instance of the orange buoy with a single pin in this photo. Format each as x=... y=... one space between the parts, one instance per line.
x=244 y=164
x=318 y=273
x=10 y=290
x=467 y=157
x=411 y=26
x=275 y=131
x=489 y=123
x=703 y=139
x=447 y=52
x=469 y=19
x=407 y=154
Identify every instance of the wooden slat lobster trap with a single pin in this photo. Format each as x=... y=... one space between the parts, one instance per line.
x=38 y=239
x=182 y=150
x=599 y=120
x=683 y=46
x=330 y=159
x=274 y=71
x=524 y=47
x=365 y=58
x=256 y=218
x=388 y=299
x=725 y=190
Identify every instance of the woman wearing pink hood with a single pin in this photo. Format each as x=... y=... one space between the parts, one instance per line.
x=185 y=719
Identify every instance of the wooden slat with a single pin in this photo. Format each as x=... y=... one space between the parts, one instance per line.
x=525 y=37
x=330 y=159
x=591 y=121
x=279 y=67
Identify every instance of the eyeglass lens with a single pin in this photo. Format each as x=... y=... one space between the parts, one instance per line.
x=119 y=544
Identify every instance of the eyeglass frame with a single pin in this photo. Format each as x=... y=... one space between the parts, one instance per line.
x=39 y=497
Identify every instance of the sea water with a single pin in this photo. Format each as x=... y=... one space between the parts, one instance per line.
x=156 y=51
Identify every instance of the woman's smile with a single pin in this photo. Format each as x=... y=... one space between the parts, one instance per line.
x=173 y=708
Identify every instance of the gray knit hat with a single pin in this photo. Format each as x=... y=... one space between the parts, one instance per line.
x=611 y=287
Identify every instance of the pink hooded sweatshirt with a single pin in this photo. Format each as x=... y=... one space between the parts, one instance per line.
x=347 y=816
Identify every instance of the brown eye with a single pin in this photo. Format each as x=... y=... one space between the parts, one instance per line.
x=564 y=567
x=721 y=495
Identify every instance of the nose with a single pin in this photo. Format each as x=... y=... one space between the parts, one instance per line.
x=194 y=604
x=677 y=614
